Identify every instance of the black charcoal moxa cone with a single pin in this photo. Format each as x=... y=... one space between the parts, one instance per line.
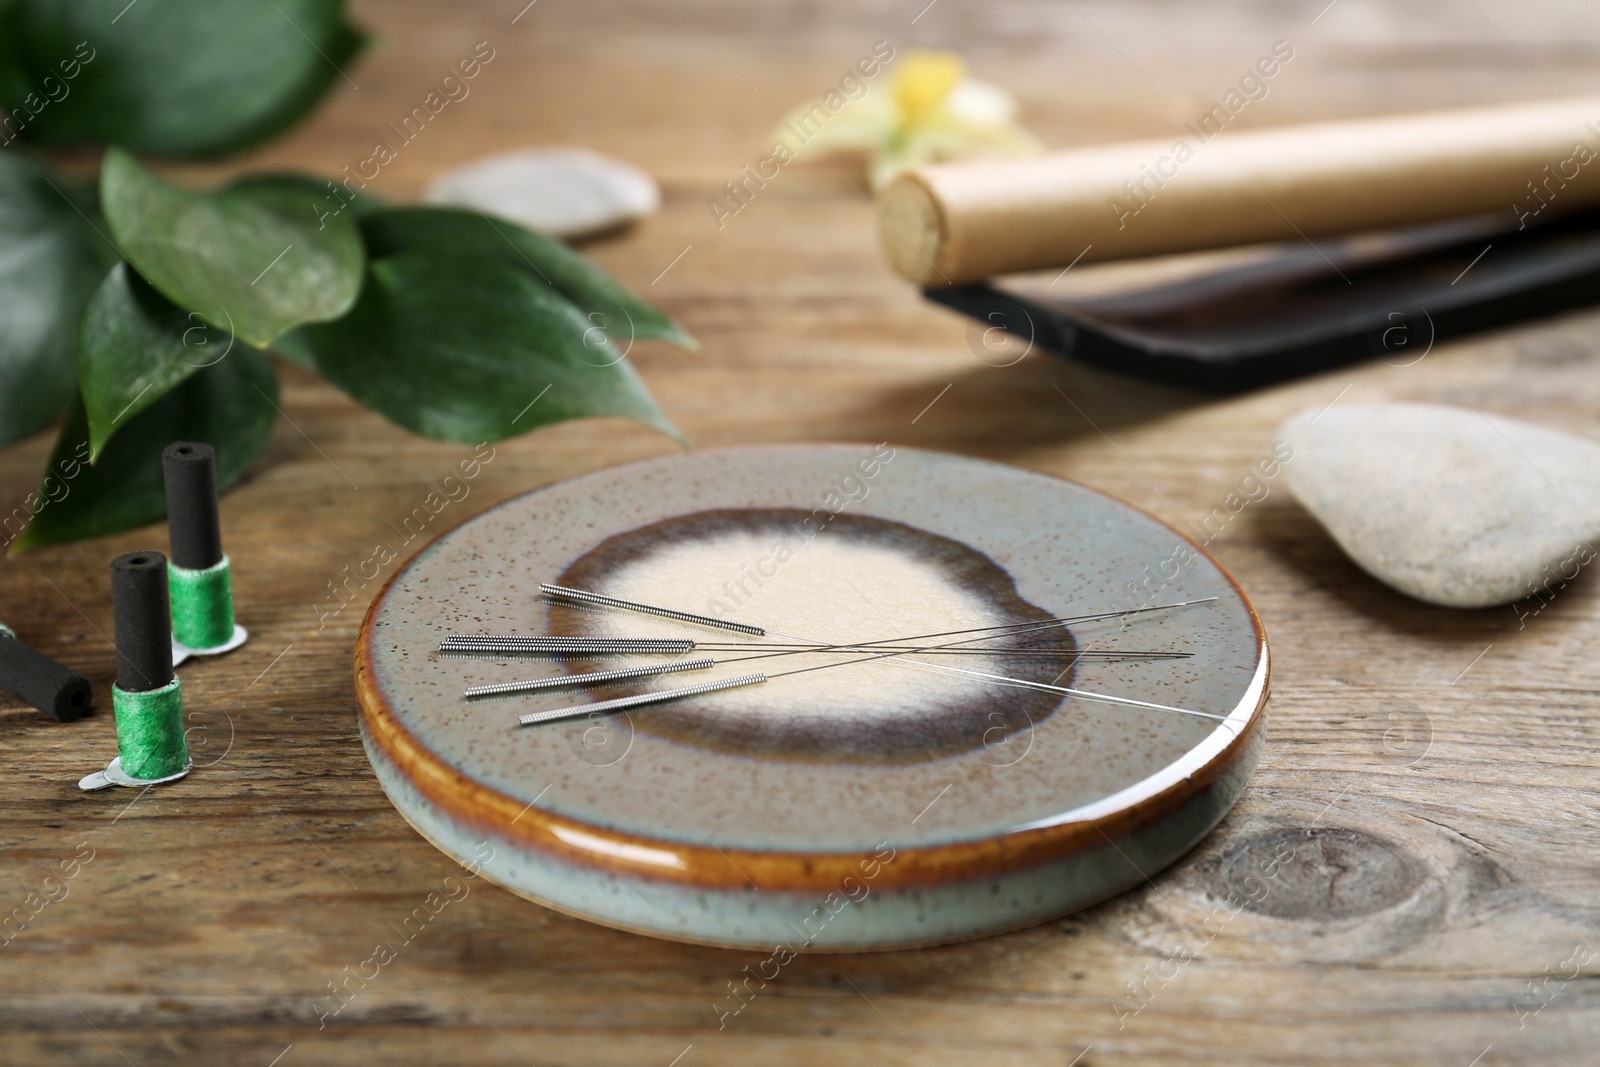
x=147 y=699
x=34 y=677
x=193 y=524
x=200 y=579
x=143 y=621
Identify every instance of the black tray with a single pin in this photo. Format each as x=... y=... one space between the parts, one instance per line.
x=1294 y=309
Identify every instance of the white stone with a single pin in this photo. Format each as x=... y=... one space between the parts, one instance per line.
x=1447 y=504
x=570 y=192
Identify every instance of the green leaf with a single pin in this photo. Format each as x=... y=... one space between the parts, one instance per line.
x=134 y=347
x=323 y=197
x=464 y=349
x=231 y=406
x=254 y=260
x=51 y=259
x=165 y=77
x=455 y=231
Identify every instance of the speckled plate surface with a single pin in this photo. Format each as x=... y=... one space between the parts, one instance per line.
x=879 y=803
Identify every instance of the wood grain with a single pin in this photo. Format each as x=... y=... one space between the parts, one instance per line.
x=1431 y=773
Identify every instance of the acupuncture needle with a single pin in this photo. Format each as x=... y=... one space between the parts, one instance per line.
x=1024 y=682
x=537 y=718
x=504 y=651
x=586 y=597
x=559 y=647
x=666 y=695
x=645 y=699
x=1084 y=693
x=505 y=647
x=583 y=647
x=637 y=673
x=630 y=674
x=547 y=643
x=954 y=647
x=1014 y=629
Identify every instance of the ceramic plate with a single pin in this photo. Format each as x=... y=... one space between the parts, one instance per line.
x=877 y=801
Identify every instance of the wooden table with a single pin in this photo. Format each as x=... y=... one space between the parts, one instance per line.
x=1435 y=769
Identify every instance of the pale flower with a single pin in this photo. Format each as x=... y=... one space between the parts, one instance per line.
x=931 y=112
